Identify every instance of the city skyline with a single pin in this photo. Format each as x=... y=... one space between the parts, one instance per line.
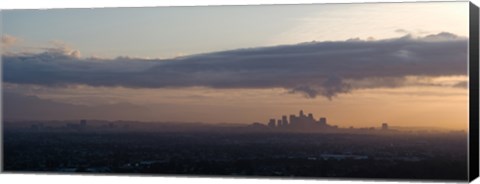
x=401 y=63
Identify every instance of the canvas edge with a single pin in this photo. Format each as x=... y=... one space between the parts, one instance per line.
x=473 y=138
x=473 y=151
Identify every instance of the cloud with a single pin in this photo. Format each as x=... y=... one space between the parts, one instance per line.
x=443 y=36
x=463 y=84
x=313 y=69
x=62 y=48
x=402 y=31
x=328 y=88
x=8 y=40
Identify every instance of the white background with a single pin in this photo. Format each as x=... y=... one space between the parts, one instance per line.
x=43 y=178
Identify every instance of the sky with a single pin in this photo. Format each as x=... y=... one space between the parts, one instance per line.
x=356 y=64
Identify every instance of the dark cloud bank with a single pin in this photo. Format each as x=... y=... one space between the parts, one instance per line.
x=313 y=68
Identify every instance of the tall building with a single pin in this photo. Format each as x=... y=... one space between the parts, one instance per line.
x=284 y=121
x=271 y=123
x=293 y=119
x=301 y=122
x=310 y=116
x=322 y=121
x=384 y=126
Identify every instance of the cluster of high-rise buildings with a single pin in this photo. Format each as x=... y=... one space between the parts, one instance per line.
x=300 y=121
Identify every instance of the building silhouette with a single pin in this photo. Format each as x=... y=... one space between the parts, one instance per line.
x=384 y=126
x=307 y=122
x=279 y=123
x=271 y=123
x=300 y=122
x=284 y=121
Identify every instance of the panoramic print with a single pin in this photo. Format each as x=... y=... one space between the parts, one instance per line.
x=373 y=90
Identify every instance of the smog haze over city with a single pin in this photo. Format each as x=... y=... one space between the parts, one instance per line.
x=318 y=87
